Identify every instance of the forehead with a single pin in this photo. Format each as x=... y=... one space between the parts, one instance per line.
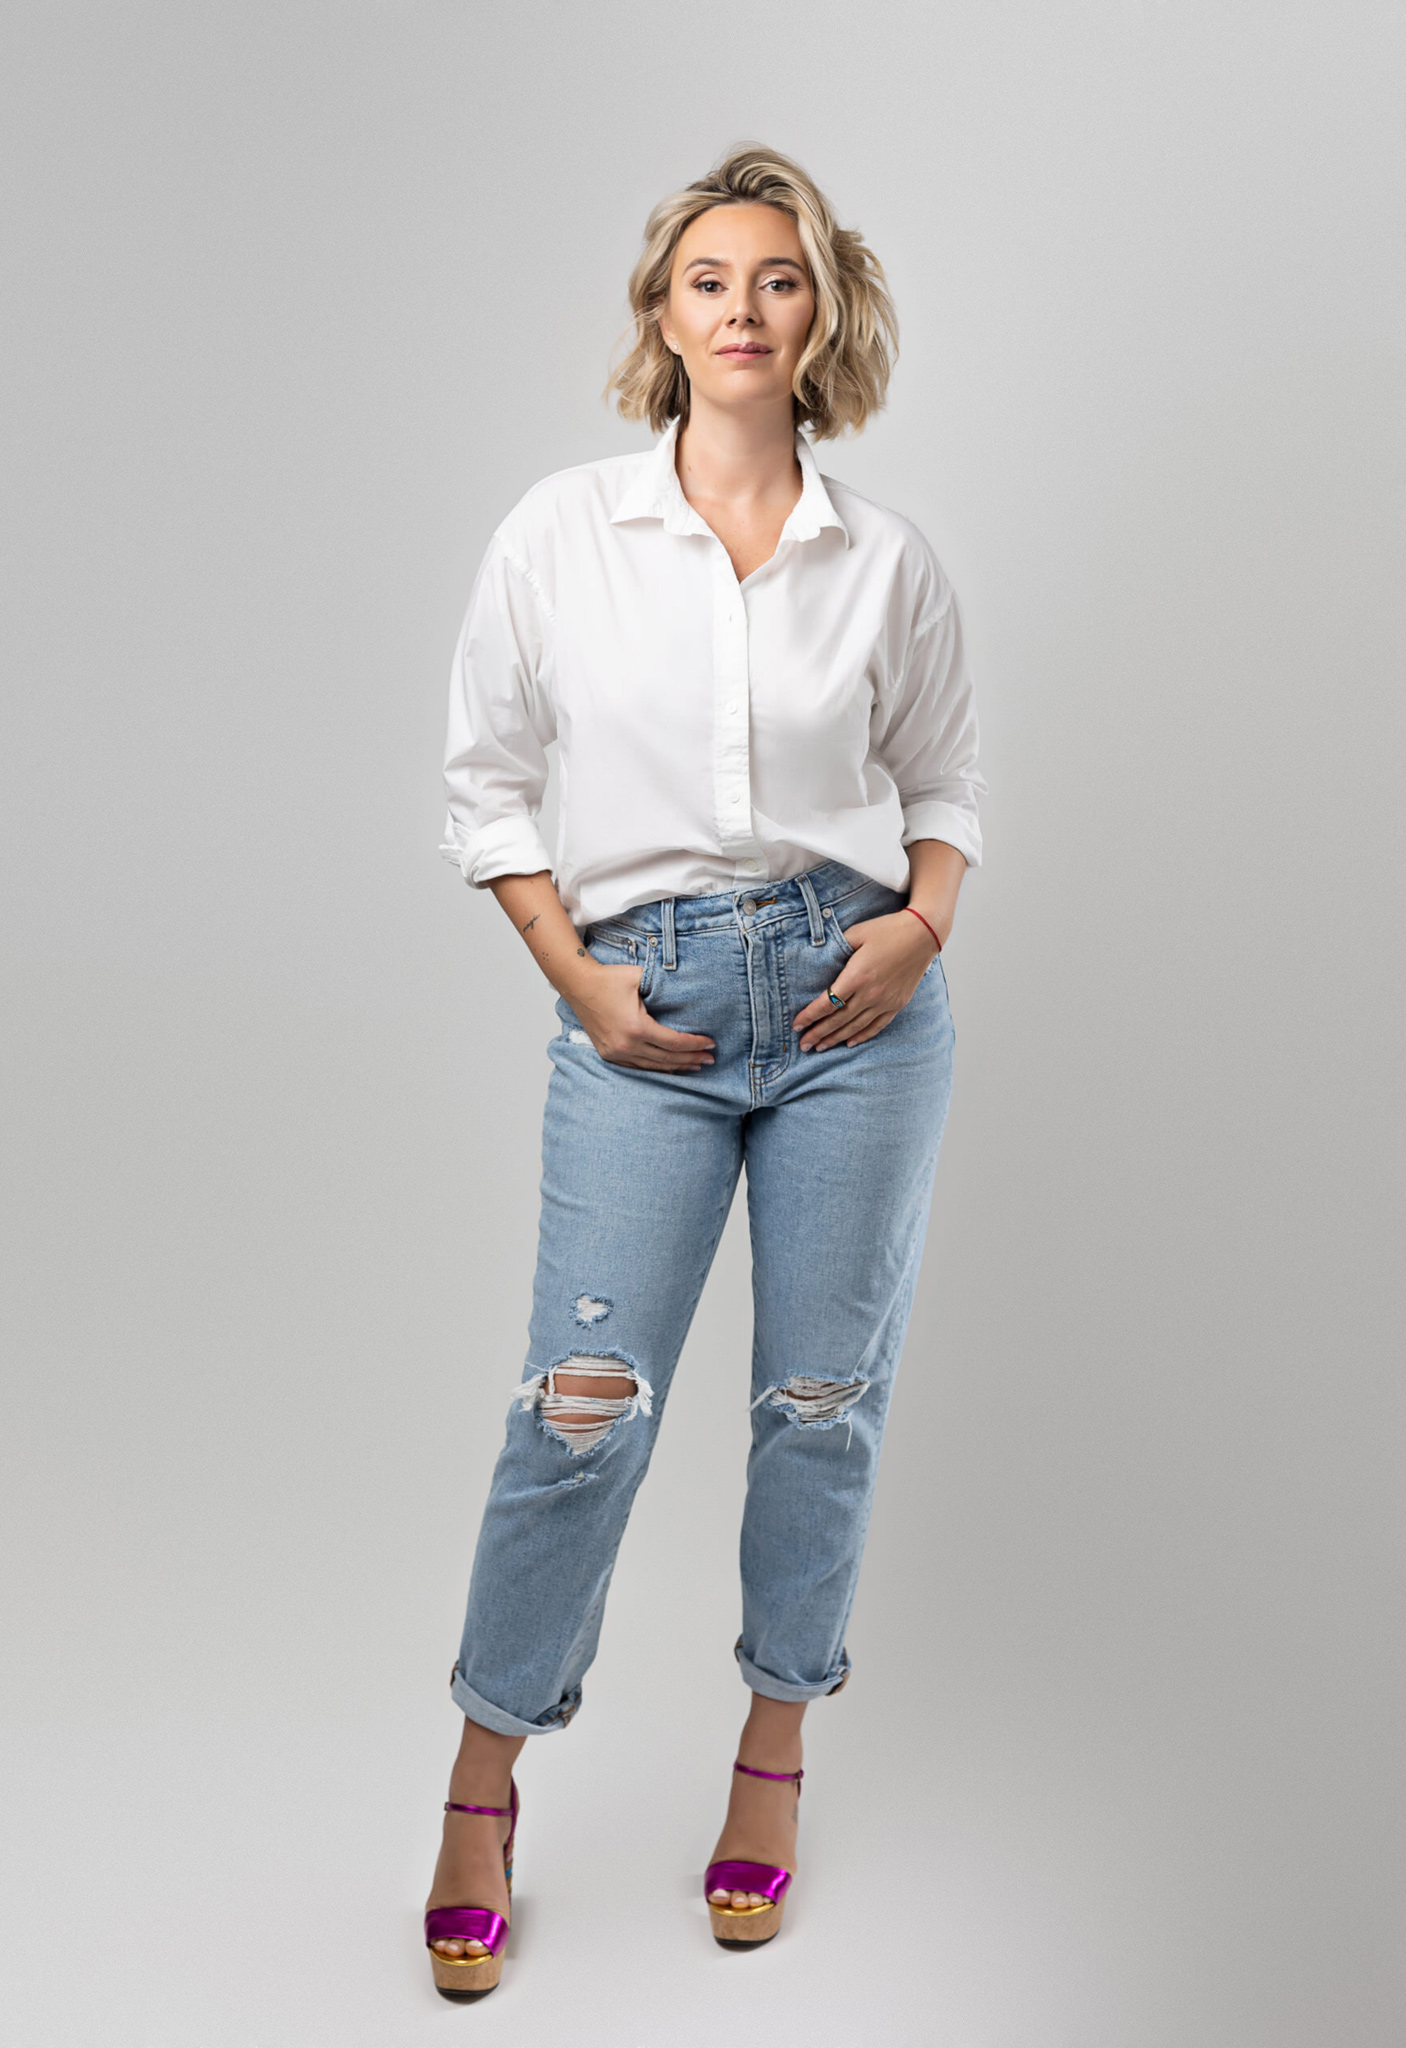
x=745 y=231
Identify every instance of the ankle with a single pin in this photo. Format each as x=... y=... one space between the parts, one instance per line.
x=483 y=1769
x=480 y=1788
x=771 y=1736
x=774 y=1722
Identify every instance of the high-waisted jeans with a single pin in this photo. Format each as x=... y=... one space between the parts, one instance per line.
x=638 y=1174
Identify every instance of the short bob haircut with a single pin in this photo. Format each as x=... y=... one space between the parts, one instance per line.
x=844 y=370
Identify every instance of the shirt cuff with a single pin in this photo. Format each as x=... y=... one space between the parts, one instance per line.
x=933 y=819
x=509 y=846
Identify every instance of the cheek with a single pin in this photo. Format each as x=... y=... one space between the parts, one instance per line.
x=793 y=319
x=692 y=320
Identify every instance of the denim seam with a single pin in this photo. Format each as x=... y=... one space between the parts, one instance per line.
x=780 y=1066
x=839 y=936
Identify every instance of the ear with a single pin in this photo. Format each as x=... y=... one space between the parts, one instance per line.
x=665 y=326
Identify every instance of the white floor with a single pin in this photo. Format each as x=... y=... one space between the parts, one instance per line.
x=1074 y=1849
x=258 y=1887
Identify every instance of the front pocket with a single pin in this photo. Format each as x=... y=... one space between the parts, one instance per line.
x=843 y=943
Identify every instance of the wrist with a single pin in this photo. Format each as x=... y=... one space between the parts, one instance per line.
x=577 y=976
x=928 y=918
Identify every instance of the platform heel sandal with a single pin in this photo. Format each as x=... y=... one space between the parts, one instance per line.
x=745 y=1926
x=469 y=1977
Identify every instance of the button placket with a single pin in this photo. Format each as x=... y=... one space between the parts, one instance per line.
x=732 y=762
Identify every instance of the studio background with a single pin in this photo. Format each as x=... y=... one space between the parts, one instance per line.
x=301 y=299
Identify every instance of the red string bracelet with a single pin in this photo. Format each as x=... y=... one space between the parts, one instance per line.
x=923 y=921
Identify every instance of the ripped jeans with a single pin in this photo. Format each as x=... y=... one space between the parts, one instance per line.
x=639 y=1171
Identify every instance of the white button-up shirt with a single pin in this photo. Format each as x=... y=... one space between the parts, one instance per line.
x=712 y=733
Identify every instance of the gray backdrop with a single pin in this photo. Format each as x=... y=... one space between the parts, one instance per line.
x=301 y=298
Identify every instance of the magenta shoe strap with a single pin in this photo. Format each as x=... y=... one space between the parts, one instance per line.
x=467 y=1923
x=763 y=1878
x=778 y=1777
x=501 y=1812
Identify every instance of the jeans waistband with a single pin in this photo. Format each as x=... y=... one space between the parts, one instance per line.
x=830 y=882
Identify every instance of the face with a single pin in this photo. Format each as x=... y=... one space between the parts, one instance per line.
x=740 y=305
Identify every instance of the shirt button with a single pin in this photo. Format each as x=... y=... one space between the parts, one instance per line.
x=731 y=708
x=736 y=797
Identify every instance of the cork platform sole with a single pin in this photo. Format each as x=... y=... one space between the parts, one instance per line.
x=465 y=1978
x=745 y=1926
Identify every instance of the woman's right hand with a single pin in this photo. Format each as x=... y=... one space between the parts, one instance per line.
x=607 y=1000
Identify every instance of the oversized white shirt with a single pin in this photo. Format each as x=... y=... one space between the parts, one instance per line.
x=712 y=734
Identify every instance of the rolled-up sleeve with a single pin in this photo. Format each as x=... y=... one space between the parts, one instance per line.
x=926 y=736
x=500 y=725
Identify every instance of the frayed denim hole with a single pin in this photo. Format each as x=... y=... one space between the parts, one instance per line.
x=582 y=1422
x=813 y=1403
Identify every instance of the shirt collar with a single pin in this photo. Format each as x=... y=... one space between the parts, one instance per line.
x=656 y=493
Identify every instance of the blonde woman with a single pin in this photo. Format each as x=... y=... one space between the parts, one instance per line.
x=757 y=683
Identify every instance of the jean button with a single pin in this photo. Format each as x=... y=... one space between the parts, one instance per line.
x=749 y=908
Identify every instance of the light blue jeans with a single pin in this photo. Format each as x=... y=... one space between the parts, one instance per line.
x=638 y=1174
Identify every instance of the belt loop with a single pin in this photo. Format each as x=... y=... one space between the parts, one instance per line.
x=671 y=957
x=812 y=903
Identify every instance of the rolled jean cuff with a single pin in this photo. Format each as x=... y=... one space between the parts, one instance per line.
x=486 y=1715
x=757 y=1680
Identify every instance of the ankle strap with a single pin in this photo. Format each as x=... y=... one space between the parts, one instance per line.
x=780 y=1777
x=453 y=1806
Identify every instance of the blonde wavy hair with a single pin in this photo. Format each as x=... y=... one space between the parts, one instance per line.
x=843 y=373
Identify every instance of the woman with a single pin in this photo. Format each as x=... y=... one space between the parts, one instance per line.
x=768 y=801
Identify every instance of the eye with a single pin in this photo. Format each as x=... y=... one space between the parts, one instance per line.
x=787 y=284
x=710 y=285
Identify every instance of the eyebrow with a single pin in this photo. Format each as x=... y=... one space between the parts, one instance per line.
x=767 y=263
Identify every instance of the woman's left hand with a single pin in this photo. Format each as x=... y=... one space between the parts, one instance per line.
x=891 y=955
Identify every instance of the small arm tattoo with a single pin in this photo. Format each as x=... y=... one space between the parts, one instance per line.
x=530 y=922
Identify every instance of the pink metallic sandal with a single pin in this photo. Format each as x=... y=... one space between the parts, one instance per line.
x=470 y=1976
x=741 y=1926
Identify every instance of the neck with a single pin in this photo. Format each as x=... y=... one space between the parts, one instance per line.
x=737 y=456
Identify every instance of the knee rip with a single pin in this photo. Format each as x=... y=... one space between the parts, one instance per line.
x=815 y=1402
x=571 y=1412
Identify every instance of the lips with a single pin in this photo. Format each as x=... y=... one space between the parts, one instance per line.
x=741 y=351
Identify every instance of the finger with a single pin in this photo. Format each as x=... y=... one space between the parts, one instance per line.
x=674 y=1041
x=843 y=1027
x=662 y=1034
x=665 y=1052
x=874 y=1029
x=843 y=985
x=822 y=1007
x=651 y=1062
